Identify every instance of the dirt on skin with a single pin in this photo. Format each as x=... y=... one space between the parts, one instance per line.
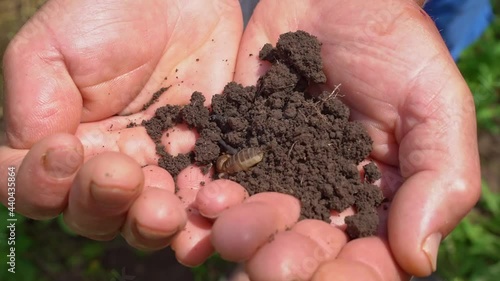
x=311 y=149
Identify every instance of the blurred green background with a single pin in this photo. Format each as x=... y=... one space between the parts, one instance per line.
x=48 y=251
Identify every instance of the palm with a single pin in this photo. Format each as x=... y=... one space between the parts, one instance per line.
x=385 y=56
x=376 y=71
x=116 y=74
x=102 y=61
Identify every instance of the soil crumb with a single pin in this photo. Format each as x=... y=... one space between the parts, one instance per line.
x=156 y=96
x=372 y=173
x=311 y=149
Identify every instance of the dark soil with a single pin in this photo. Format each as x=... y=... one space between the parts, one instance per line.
x=372 y=173
x=311 y=148
x=156 y=96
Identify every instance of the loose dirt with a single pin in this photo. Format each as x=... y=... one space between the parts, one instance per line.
x=311 y=149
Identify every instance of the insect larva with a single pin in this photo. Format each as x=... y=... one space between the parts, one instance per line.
x=241 y=161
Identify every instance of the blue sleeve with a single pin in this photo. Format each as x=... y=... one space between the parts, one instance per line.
x=461 y=22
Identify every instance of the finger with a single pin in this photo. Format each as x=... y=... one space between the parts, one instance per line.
x=296 y=254
x=44 y=176
x=192 y=245
x=379 y=258
x=442 y=203
x=217 y=196
x=344 y=270
x=288 y=256
x=103 y=191
x=441 y=165
x=157 y=177
x=242 y=229
x=153 y=219
x=329 y=238
x=288 y=210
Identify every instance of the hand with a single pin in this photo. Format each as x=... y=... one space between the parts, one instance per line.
x=398 y=79
x=76 y=75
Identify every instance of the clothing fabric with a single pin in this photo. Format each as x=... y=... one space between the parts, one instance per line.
x=461 y=22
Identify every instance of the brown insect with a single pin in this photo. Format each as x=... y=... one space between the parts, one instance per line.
x=241 y=161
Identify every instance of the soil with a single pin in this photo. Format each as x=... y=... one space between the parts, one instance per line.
x=155 y=98
x=311 y=149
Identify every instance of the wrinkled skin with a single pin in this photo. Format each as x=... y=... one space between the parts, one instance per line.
x=79 y=71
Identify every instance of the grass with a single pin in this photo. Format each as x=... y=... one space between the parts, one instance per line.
x=47 y=251
x=472 y=251
x=479 y=66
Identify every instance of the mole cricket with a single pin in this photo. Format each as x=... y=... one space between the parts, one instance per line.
x=243 y=160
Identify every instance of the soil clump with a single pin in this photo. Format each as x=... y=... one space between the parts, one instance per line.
x=311 y=149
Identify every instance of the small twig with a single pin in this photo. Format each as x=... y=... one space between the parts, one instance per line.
x=335 y=93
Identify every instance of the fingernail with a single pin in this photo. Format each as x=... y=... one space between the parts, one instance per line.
x=431 y=247
x=112 y=197
x=61 y=163
x=153 y=234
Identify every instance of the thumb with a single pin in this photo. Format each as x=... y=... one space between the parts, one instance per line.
x=440 y=161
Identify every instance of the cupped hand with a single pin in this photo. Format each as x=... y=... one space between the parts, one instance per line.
x=86 y=69
x=76 y=75
x=399 y=80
